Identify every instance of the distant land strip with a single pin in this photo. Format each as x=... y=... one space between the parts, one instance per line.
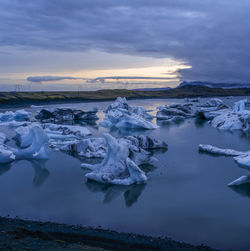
x=26 y=98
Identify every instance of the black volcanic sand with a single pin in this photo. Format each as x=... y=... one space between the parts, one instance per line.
x=17 y=234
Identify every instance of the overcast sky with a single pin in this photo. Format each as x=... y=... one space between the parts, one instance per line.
x=76 y=40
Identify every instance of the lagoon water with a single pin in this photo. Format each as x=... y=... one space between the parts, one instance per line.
x=186 y=197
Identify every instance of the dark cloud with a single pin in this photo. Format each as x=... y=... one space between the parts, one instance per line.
x=212 y=36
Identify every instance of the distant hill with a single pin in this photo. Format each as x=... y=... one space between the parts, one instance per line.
x=152 y=89
x=27 y=98
x=215 y=85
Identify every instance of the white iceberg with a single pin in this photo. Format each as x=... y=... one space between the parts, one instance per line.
x=121 y=115
x=97 y=147
x=116 y=168
x=213 y=102
x=37 y=146
x=174 y=112
x=245 y=179
x=79 y=131
x=242 y=158
x=65 y=114
x=19 y=115
x=3 y=138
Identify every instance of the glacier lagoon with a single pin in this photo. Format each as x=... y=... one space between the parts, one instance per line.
x=186 y=196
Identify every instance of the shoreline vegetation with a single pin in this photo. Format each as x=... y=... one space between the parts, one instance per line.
x=18 y=234
x=26 y=98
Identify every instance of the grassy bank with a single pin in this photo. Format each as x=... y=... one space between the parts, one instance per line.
x=23 y=98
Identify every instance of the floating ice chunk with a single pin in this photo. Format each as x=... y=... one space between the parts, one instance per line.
x=146 y=142
x=97 y=147
x=135 y=122
x=242 y=158
x=89 y=148
x=79 y=131
x=121 y=115
x=219 y=151
x=36 y=150
x=3 y=138
x=19 y=115
x=116 y=168
x=24 y=136
x=36 y=106
x=174 y=112
x=6 y=155
x=228 y=120
x=240 y=181
x=213 y=102
x=239 y=106
x=65 y=114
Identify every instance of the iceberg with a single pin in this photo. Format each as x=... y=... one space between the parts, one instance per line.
x=116 y=168
x=9 y=116
x=78 y=131
x=237 y=118
x=60 y=115
x=214 y=102
x=174 y=112
x=245 y=179
x=35 y=140
x=97 y=147
x=121 y=115
x=242 y=158
x=3 y=138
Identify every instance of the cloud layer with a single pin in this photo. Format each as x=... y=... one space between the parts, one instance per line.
x=212 y=36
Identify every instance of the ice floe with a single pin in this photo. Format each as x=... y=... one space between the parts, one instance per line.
x=97 y=147
x=242 y=158
x=121 y=115
x=63 y=130
x=35 y=140
x=174 y=112
x=245 y=179
x=237 y=118
x=116 y=168
x=3 y=138
x=10 y=116
x=65 y=114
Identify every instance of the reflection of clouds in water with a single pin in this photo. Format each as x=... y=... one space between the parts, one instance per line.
x=243 y=190
x=41 y=173
x=111 y=192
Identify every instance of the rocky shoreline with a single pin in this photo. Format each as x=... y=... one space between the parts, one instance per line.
x=18 y=234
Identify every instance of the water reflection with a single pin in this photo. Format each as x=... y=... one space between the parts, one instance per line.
x=4 y=168
x=243 y=190
x=111 y=192
x=170 y=123
x=41 y=172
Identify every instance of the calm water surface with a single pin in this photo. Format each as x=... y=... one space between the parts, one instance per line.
x=186 y=197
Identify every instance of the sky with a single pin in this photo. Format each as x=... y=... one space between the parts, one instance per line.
x=95 y=44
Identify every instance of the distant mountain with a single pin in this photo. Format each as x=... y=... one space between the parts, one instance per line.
x=214 y=85
x=152 y=89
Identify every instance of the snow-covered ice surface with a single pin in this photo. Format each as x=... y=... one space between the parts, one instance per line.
x=121 y=115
